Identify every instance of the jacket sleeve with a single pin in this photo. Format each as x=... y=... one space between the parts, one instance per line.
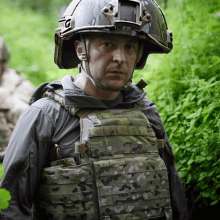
x=24 y=159
x=178 y=200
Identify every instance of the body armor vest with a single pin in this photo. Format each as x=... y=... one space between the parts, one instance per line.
x=120 y=175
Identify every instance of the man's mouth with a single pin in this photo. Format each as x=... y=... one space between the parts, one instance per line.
x=116 y=72
x=115 y=75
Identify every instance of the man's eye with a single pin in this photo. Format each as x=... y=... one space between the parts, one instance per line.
x=130 y=47
x=108 y=44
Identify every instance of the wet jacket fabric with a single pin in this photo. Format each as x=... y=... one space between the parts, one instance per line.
x=46 y=123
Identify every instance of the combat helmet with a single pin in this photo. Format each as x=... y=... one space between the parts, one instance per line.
x=142 y=19
x=4 y=53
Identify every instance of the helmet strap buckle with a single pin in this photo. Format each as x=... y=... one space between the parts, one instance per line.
x=84 y=57
x=80 y=67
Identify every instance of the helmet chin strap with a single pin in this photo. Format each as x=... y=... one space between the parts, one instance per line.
x=95 y=82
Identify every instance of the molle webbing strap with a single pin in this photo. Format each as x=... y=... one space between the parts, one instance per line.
x=84 y=111
x=67 y=192
x=58 y=96
x=80 y=147
x=138 y=105
x=123 y=125
x=160 y=143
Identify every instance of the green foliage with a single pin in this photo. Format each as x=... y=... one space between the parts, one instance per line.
x=193 y=127
x=30 y=37
x=5 y=196
x=48 y=7
x=185 y=85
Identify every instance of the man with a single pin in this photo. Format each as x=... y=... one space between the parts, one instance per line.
x=11 y=79
x=89 y=147
x=15 y=93
x=5 y=126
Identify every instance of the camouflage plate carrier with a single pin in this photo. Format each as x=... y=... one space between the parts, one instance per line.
x=120 y=175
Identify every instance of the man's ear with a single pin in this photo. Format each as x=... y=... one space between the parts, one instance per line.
x=78 y=48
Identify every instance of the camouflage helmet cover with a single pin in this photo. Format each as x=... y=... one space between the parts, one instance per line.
x=142 y=19
x=4 y=53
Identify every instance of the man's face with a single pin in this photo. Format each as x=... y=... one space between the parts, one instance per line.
x=112 y=59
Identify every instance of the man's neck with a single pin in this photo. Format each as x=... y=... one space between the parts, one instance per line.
x=84 y=83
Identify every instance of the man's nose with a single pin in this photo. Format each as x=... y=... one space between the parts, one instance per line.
x=119 y=55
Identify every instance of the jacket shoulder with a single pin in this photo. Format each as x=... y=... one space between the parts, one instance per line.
x=151 y=112
x=147 y=102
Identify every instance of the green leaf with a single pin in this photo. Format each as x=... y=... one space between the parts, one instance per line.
x=195 y=115
x=5 y=197
x=189 y=177
x=209 y=157
x=1 y=170
x=203 y=185
x=182 y=174
x=216 y=162
x=205 y=153
x=214 y=202
x=205 y=194
x=172 y=117
x=214 y=196
x=202 y=176
x=200 y=159
x=211 y=173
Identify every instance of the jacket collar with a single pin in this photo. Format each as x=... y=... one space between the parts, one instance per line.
x=77 y=98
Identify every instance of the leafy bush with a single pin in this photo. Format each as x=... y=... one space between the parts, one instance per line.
x=5 y=196
x=185 y=85
x=193 y=127
x=48 y=7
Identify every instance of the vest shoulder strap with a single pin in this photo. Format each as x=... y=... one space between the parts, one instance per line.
x=138 y=105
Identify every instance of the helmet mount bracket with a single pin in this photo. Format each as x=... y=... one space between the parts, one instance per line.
x=169 y=37
x=113 y=12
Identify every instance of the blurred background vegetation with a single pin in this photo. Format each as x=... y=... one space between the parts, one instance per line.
x=185 y=84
